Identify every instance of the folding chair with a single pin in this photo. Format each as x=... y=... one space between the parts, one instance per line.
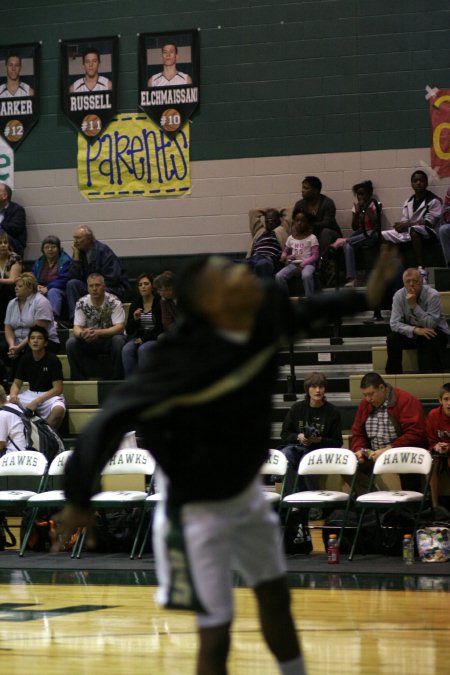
x=128 y=441
x=407 y=460
x=27 y=464
x=275 y=465
x=52 y=499
x=325 y=461
x=125 y=462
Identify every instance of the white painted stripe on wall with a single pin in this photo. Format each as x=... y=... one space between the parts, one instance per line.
x=214 y=218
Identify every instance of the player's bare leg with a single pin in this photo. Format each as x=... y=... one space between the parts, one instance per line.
x=213 y=650
x=278 y=625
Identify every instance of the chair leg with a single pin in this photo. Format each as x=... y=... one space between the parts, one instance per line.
x=358 y=529
x=147 y=532
x=23 y=545
x=138 y=533
x=344 y=523
x=76 y=551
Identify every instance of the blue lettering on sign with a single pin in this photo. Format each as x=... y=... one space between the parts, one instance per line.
x=118 y=156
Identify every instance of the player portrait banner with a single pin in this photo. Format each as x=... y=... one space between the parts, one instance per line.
x=133 y=157
x=440 y=126
x=89 y=78
x=169 y=77
x=19 y=91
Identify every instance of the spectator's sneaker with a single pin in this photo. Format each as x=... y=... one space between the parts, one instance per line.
x=423 y=274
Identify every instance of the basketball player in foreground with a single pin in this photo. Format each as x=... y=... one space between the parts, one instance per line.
x=203 y=406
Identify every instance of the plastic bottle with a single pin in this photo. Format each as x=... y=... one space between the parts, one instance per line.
x=333 y=550
x=408 y=549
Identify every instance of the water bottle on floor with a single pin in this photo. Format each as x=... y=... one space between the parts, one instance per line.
x=408 y=549
x=333 y=550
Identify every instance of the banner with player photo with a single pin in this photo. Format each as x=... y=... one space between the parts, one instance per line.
x=440 y=125
x=19 y=91
x=89 y=78
x=169 y=77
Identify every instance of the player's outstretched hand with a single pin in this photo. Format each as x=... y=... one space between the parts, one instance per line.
x=383 y=273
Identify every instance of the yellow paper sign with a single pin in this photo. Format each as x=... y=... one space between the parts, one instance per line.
x=134 y=157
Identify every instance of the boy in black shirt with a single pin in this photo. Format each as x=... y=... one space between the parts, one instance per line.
x=43 y=372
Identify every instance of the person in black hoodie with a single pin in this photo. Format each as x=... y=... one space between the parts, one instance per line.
x=309 y=425
x=202 y=405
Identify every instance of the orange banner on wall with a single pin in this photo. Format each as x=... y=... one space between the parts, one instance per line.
x=440 y=125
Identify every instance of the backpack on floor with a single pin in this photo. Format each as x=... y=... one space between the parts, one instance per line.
x=39 y=435
x=369 y=536
x=395 y=523
x=44 y=534
x=297 y=535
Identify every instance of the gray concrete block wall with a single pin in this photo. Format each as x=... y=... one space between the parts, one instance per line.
x=334 y=88
x=214 y=218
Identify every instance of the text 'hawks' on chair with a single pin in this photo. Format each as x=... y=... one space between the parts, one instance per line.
x=406 y=460
x=51 y=499
x=21 y=464
x=326 y=462
x=125 y=462
x=275 y=465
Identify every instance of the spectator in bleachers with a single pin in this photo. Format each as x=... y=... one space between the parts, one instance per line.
x=143 y=326
x=12 y=436
x=420 y=217
x=417 y=322
x=437 y=426
x=309 y=425
x=10 y=268
x=366 y=226
x=444 y=228
x=43 y=372
x=300 y=254
x=12 y=220
x=99 y=323
x=27 y=309
x=164 y=284
x=52 y=272
x=268 y=242
x=91 y=256
x=322 y=210
x=387 y=417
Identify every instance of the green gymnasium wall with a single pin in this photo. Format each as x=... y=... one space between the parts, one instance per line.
x=277 y=77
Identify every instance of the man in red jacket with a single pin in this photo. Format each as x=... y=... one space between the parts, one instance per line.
x=387 y=417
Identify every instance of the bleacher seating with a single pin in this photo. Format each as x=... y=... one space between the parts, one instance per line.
x=85 y=398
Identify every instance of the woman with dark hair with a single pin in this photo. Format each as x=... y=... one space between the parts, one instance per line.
x=10 y=268
x=366 y=226
x=52 y=272
x=165 y=285
x=322 y=210
x=310 y=424
x=144 y=324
